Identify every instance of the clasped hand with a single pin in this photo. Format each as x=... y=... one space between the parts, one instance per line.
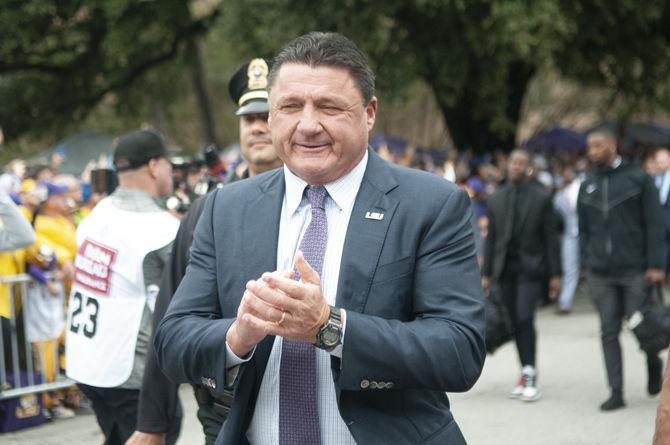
x=276 y=304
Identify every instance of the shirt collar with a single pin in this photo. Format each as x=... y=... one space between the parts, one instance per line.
x=342 y=191
x=135 y=200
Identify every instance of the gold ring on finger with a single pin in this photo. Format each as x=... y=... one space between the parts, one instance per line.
x=283 y=316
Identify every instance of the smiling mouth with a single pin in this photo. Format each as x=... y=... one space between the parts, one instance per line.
x=311 y=145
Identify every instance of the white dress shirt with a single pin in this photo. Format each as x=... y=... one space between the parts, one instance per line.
x=295 y=217
x=663 y=185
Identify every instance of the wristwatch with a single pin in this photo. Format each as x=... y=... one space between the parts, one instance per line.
x=330 y=334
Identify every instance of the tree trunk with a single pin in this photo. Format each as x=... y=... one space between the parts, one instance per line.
x=470 y=129
x=200 y=87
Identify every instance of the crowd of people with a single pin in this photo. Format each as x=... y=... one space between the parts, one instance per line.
x=117 y=242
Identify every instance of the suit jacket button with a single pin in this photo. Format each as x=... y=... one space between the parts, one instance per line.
x=365 y=384
x=389 y=385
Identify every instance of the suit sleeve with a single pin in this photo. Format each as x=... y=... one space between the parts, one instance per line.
x=583 y=225
x=190 y=340
x=159 y=408
x=442 y=348
x=479 y=242
x=489 y=244
x=552 y=230
x=653 y=226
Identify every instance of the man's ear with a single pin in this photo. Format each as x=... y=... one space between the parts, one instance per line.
x=371 y=112
x=152 y=165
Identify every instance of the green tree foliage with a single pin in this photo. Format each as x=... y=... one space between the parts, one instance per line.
x=623 y=45
x=479 y=56
x=59 y=58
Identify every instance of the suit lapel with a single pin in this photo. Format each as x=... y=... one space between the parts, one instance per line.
x=524 y=210
x=261 y=232
x=505 y=208
x=261 y=226
x=365 y=235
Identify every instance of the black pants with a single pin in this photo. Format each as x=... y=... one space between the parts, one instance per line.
x=521 y=296
x=615 y=297
x=211 y=423
x=7 y=345
x=116 y=412
x=210 y=417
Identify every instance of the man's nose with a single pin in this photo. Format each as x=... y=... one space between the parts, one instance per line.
x=310 y=122
x=259 y=126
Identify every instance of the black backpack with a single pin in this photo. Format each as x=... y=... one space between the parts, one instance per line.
x=651 y=323
x=499 y=329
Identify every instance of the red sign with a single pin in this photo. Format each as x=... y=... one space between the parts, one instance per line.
x=93 y=266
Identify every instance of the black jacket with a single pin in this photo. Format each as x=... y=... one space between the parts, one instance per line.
x=620 y=223
x=538 y=249
x=159 y=407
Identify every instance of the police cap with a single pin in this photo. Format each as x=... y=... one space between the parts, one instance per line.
x=249 y=87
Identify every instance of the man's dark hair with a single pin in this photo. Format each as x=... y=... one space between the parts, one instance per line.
x=523 y=152
x=328 y=49
x=604 y=132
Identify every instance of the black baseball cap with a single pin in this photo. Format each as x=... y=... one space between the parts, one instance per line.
x=249 y=87
x=137 y=148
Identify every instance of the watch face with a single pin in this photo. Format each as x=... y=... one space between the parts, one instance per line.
x=331 y=336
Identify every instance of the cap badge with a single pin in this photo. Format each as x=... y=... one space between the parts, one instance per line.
x=258 y=74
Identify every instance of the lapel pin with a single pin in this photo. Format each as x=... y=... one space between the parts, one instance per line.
x=374 y=215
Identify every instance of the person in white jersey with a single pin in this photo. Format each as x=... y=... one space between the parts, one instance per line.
x=122 y=246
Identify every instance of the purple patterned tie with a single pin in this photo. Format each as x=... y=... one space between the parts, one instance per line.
x=298 y=410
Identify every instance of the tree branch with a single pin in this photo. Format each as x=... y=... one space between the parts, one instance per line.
x=41 y=67
x=195 y=28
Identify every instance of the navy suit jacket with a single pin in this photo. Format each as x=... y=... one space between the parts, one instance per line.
x=409 y=283
x=539 y=247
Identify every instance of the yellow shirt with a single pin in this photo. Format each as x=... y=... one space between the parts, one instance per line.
x=59 y=233
x=11 y=263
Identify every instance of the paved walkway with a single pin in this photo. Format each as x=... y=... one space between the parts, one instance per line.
x=571 y=376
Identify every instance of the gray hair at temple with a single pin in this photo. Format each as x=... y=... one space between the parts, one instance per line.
x=328 y=49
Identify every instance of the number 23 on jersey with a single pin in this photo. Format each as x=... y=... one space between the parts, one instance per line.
x=84 y=317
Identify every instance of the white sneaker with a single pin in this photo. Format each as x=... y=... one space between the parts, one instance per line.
x=530 y=392
x=516 y=392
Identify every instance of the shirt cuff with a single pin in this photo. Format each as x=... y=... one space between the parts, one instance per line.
x=337 y=352
x=233 y=363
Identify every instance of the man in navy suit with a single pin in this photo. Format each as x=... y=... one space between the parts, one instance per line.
x=662 y=180
x=338 y=296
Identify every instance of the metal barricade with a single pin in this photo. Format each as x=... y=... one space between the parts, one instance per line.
x=20 y=283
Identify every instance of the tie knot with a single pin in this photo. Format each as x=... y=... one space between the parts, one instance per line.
x=316 y=195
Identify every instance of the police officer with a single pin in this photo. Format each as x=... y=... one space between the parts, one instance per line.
x=159 y=406
x=247 y=88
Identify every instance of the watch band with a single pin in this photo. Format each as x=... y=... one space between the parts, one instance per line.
x=336 y=315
